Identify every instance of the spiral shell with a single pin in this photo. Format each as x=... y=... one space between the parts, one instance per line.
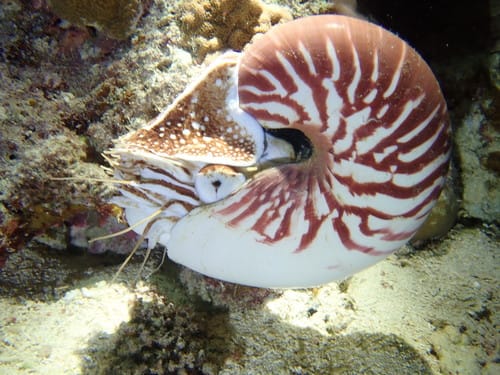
x=348 y=136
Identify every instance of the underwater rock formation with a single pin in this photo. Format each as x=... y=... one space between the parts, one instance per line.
x=115 y=18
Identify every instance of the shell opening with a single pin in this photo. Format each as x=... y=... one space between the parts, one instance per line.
x=293 y=141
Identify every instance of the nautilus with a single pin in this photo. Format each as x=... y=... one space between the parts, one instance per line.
x=314 y=153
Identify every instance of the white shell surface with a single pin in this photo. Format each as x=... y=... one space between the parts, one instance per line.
x=217 y=250
x=341 y=132
x=379 y=130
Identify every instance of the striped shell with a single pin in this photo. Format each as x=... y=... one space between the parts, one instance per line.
x=342 y=143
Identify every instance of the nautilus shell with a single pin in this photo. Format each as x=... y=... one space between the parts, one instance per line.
x=314 y=153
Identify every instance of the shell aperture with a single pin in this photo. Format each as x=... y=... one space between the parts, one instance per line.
x=376 y=121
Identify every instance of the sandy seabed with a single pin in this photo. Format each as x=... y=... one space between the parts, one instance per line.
x=428 y=312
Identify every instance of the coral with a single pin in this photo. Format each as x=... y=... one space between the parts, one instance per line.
x=32 y=202
x=300 y=8
x=61 y=104
x=162 y=338
x=211 y=25
x=444 y=214
x=344 y=7
x=224 y=294
x=116 y=19
x=92 y=224
x=477 y=143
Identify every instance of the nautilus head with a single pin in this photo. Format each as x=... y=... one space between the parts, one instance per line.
x=314 y=153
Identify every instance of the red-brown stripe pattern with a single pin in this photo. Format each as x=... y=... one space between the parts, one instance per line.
x=379 y=127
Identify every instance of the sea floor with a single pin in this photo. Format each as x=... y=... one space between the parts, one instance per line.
x=433 y=311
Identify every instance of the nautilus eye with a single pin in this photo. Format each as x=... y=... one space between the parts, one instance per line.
x=313 y=154
x=215 y=182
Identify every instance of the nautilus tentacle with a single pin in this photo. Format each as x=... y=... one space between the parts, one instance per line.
x=346 y=140
x=187 y=155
